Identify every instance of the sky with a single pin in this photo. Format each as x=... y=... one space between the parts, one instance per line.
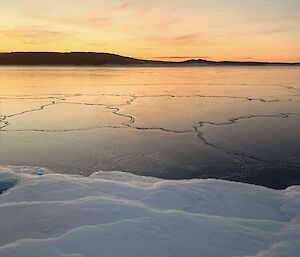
x=244 y=30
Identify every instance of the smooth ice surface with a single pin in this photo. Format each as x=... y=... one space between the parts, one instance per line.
x=120 y=214
x=234 y=123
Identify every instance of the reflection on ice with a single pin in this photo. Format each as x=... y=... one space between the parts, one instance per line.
x=230 y=123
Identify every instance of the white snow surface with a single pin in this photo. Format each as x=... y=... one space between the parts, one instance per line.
x=116 y=214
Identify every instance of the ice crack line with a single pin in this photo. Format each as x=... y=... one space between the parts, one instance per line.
x=4 y=122
x=114 y=108
x=6 y=117
x=115 y=111
x=211 y=96
x=197 y=129
x=136 y=96
x=161 y=129
x=32 y=110
x=66 y=130
x=118 y=113
x=236 y=119
x=201 y=136
x=32 y=98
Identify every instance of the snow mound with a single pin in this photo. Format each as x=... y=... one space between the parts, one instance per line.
x=112 y=214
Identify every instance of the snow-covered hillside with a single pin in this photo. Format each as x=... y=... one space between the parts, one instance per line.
x=119 y=214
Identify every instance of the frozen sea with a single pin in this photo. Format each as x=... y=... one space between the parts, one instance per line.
x=115 y=162
x=232 y=123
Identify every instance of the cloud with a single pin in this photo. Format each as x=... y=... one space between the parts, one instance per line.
x=89 y=22
x=173 y=39
x=275 y=30
x=32 y=34
x=97 y=44
x=190 y=38
x=130 y=16
x=182 y=57
x=245 y=58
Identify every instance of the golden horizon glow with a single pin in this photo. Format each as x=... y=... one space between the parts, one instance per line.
x=245 y=30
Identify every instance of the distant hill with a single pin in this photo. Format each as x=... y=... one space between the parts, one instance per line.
x=236 y=63
x=51 y=58
x=97 y=59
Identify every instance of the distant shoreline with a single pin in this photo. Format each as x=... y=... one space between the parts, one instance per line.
x=89 y=59
x=145 y=66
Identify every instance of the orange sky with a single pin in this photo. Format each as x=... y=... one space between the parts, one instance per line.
x=247 y=30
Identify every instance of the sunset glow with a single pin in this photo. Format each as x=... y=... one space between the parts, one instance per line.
x=251 y=30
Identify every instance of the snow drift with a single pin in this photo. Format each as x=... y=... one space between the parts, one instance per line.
x=112 y=214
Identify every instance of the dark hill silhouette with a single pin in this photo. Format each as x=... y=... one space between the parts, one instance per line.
x=75 y=58
x=97 y=59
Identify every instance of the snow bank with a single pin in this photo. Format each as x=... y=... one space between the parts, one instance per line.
x=119 y=214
